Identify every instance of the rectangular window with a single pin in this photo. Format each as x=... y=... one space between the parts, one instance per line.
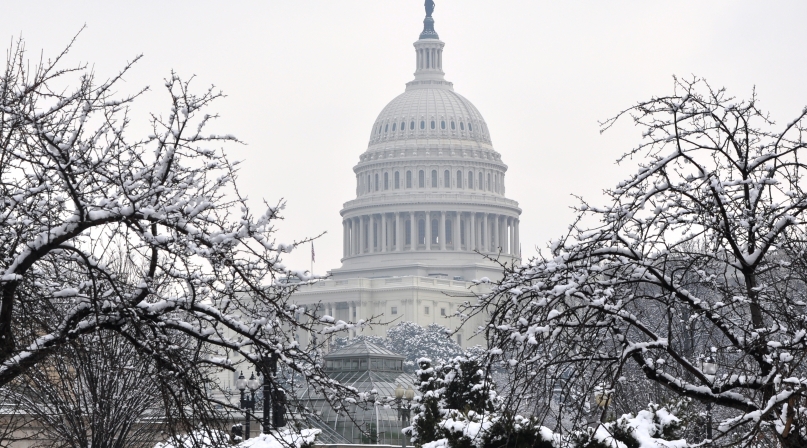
x=363 y=364
x=394 y=310
x=426 y=311
x=442 y=311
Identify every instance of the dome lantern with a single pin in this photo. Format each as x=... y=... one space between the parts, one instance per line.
x=429 y=54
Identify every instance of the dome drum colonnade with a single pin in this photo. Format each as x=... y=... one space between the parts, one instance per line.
x=447 y=230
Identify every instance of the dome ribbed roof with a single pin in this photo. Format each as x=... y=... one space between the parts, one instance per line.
x=429 y=113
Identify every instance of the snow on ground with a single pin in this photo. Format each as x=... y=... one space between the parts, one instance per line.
x=284 y=438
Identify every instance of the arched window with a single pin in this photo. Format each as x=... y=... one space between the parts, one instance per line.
x=470 y=128
x=422 y=124
x=442 y=124
x=488 y=181
x=403 y=125
x=421 y=179
x=435 y=231
x=453 y=126
x=397 y=180
x=481 y=184
x=449 y=235
x=470 y=180
x=408 y=236
x=386 y=127
x=421 y=231
x=462 y=126
x=378 y=131
x=376 y=182
x=434 y=178
x=386 y=181
x=459 y=179
x=369 y=183
x=412 y=125
x=432 y=124
x=446 y=179
x=393 y=127
x=408 y=179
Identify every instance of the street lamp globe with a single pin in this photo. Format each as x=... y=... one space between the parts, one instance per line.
x=253 y=383
x=410 y=393
x=709 y=366
x=241 y=382
x=399 y=391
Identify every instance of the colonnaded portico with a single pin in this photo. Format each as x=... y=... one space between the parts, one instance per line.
x=430 y=213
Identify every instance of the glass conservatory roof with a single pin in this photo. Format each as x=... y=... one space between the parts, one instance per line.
x=363 y=348
x=368 y=368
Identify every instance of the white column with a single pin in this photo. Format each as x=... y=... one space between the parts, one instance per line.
x=353 y=237
x=503 y=234
x=496 y=244
x=517 y=242
x=472 y=234
x=486 y=232
x=383 y=232
x=373 y=235
x=398 y=232
x=457 y=230
x=442 y=232
x=510 y=236
x=361 y=235
x=412 y=231
x=428 y=231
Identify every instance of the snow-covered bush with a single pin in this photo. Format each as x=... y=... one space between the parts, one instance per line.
x=282 y=438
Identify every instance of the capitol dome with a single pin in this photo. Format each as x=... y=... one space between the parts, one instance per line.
x=429 y=112
x=430 y=188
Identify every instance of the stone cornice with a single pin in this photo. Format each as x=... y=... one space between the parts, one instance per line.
x=431 y=201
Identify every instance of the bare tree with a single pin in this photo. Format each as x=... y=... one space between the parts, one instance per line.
x=97 y=393
x=77 y=189
x=697 y=262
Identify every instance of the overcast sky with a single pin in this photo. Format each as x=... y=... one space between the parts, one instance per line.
x=306 y=79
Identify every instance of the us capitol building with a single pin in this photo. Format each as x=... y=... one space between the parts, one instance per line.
x=430 y=205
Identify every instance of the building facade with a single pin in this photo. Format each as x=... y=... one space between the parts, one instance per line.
x=430 y=212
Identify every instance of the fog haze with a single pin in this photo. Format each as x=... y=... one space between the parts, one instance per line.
x=305 y=81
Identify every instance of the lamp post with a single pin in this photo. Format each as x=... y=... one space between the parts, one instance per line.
x=709 y=367
x=274 y=398
x=403 y=412
x=248 y=404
